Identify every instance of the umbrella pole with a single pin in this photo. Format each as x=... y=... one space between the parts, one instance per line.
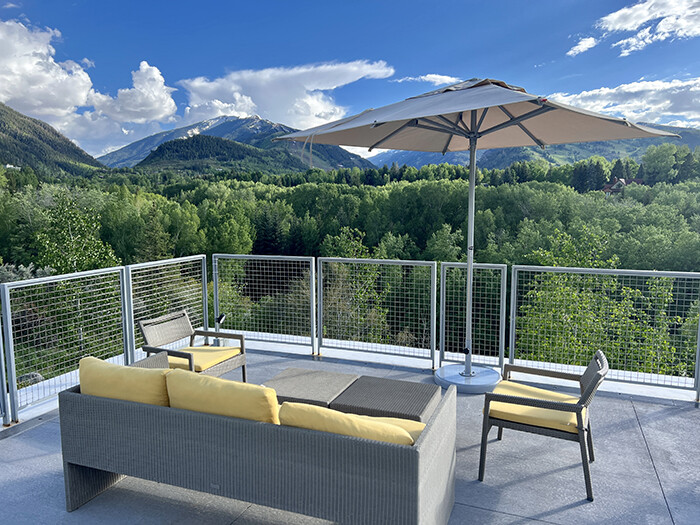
x=470 y=252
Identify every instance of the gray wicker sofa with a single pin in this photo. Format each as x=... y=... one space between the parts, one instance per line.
x=339 y=478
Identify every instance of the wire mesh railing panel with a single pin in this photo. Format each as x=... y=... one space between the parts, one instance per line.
x=487 y=320
x=378 y=306
x=57 y=321
x=168 y=286
x=268 y=298
x=646 y=323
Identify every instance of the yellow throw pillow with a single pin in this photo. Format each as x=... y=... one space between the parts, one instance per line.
x=105 y=379
x=313 y=417
x=214 y=395
x=414 y=428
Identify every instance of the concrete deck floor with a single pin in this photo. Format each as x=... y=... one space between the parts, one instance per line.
x=647 y=468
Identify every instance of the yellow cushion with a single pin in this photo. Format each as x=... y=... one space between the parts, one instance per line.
x=414 y=428
x=541 y=417
x=204 y=356
x=104 y=379
x=214 y=395
x=324 y=419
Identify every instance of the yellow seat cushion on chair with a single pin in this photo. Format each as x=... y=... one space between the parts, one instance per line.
x=105 y=379
x=214 y=395
x=314 y=417
x=541 y=417
x=204 y=356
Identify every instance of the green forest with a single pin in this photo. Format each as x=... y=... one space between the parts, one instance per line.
x=529 y=213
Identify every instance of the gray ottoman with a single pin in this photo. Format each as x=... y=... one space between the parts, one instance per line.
x=315 y=387
x=377 y=396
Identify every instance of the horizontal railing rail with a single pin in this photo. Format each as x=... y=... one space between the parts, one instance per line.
x=646 y=322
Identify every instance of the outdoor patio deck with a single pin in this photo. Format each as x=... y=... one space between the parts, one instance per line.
x=647 y=468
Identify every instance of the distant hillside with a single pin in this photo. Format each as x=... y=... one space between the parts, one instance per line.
x=202 y=152
x=558 y=155
x=418 y=159
x=25 y=141
x=253 y=131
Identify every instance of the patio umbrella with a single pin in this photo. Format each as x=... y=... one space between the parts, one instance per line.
x=471 y=115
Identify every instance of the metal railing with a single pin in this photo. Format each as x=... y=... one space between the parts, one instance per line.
x=269 y=298
x=161 y=287
x=646 y=322
x=489 y=322
x=378 y=306
x=50 y=323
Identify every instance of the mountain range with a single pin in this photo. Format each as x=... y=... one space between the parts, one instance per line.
x=253 y=131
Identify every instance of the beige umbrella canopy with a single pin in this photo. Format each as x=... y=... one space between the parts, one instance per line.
x=471 y=115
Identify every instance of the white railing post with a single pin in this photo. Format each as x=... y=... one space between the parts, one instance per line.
x=433 y=315
x=320 y=305
x=443 y=281
x=4 y=401
x=312 y=307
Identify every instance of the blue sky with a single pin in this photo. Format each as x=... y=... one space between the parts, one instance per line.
x=108 y=73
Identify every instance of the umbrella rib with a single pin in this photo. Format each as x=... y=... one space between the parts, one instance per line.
x=410 y=123
x=481 y=120
x=522 y=127
x=516 y=120
x=452 y=128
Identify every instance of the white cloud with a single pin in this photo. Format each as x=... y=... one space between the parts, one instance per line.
x=10 y=5
x=61 y=93
x=676 y=19
x=433 y=78
x=296 y=96
x=147 y=101
x=31 y=81
x=584 y=44
x=662 y=102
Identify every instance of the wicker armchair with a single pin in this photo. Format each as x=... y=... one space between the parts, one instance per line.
x=206 y=359
x=540 y=411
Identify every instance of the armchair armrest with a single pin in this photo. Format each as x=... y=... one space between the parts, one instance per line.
x=508 y=368
x=175 y=353
x=529 y=401
x=221 y=335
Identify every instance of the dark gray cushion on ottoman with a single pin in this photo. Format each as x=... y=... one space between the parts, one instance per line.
x=315 y=387
x=378 y=396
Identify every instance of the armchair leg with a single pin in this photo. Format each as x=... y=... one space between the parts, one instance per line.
x=243 y=374
x=484 y=440
x=591 y=455
x=584 y=460
x=500 y=433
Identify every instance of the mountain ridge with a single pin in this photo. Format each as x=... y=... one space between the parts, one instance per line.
x=26 y=141
x=254 y=131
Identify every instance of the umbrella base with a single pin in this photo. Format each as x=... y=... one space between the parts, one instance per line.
x=483 y=379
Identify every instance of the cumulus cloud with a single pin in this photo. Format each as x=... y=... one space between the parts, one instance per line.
x=584 y=44
x=31 y=81
x=436 y=80
x=150 y=99
x=663 y=102
x=650 y=21
x=61 y=93
x=296 y=96
x=10 y=5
